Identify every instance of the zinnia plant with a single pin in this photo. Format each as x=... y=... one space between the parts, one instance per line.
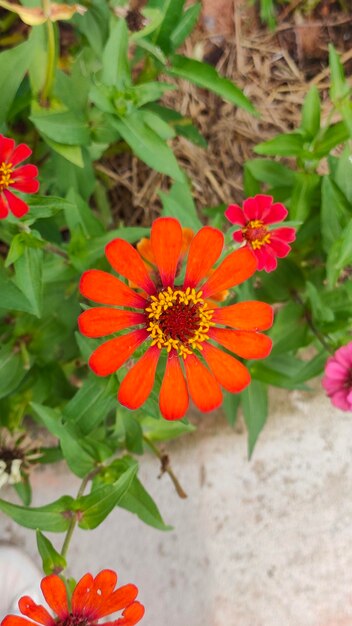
x=255 y=218
x=12 y=177
x=92 y=599
x=337 y=380
x=177 y=316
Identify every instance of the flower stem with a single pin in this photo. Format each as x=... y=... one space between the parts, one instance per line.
x=165 y=466
x=308 y=317
x=73 y=521
x=50 y=67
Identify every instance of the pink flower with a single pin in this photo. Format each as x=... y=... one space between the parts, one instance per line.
x=254 y=217
x=337 y=381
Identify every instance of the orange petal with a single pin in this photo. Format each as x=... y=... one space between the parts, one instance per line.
x=35 y=612
x=102 y=321
x=54 y=592
x=166 y=238
x=203 y=387
x=16 y=620
x=235 y=268
x=132 y=615
x=228 y=371
x=105 y=582
x=204 y=251
x=187 y=236
x=118 y=600
x=251 y=315
x=109 y=357
x=144 y=248
x=104 y=288
x=173 y=399
x=125 y=260
x=81 y=594
x=138 y=382
x=247 y=344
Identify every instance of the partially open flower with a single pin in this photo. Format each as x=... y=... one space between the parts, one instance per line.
x=92 y=599
x=337 y=380
x=175 y=313
x=34 y=16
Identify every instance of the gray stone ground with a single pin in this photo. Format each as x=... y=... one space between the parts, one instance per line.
x=265 y=543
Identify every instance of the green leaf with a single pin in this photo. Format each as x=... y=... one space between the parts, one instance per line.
x=343 y=173
x=138 y=501
x=255 y=411
x=53 y=562
x=54 y=517
x=172 y=15
x=311 y=112
x=44 y=206
x=147 y=145
x=155 y=51
x=230 y=405
x=179 y=203
x=116 y=69
x=12 y=370
x=92 y=403
x=62 y=127
x=271 y=173
x=339 y=85
x=69 y=152
x=340 y=256
x=14 y=64
x=157 y=124
x=29 y=270
x=304 y=195
x=78 y=214
x=95 y=507
x=161 y=430
x=286 y=144
x=186 y=25
x=206 y=76
x=11 y=297
x=331 y=137
x=335 y=212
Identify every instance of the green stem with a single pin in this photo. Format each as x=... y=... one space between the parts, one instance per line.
x=165 y=466
x=73 y=521
x=312 y=326
x=50 y=67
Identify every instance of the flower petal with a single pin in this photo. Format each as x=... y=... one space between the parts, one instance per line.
x=21 y=153
x=258 y=207
x=344 y=355
x=118 y=600
x=29 y=185
x=266 y=258
x=166 y=240
x=245 y=343
x=17 y=206
x=25 y=171
x=203 y=387
x=7 y=146
x=54 y=592
x=228 y=371
x=109 y=357
x=235 y=215
x=250 y=315
x=335 y=370
x=102 y=321
x=235 y=268
x=4 y=210
x=285 y=234
x=105 y=582
x=16 y=620
x=132 y=615
x=275 y=213
x=125 y=260
x=81 y=595
x=104 y=288
x=139 y=380
x=280 y=248
x=340 y=400
x=238 y=236
x=173 y=399
x=35 y=611
x=204 y=251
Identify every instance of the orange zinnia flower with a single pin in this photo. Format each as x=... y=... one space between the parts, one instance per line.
x=181 y=319
x=92 y=599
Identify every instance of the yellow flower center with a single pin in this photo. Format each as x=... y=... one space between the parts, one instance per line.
x=256 y=233
x=179 y=319
x=5 y=175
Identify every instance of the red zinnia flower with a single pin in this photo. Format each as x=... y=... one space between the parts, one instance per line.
x=254 y=217
x=20 y=178
x=179 y=318
x=92 y=599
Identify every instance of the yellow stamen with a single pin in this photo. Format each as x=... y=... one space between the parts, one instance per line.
x=5 y=175
x=256 y=233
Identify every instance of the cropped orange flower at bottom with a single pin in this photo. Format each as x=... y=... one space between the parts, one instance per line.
x=92 y=599
x=179 y=319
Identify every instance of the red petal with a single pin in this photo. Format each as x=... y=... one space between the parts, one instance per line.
x=109 y=357
x=4 y=211
x=102 y=321
x=204 y=251
x=21 y=153
x=280 y=248
x=173 y=399
x=235 y=268
x=118 y=600
x=26 y=186
x=251 y=315
x=138 y=382
x=34 y=611
x=245 y=343
x=235 y=215
x=16 y=620
x=238 y=236
x=203 y=387
x=125 y=260
x=258 y=207
x=7 y=146
x=286 y=234
x=131 y=616
x=228 y=371
x=81 y=594
x=104 y=288
x=166 y=240
x=54 y=592
x=266 y=258
x=17 y=206
x=276 y=213
x=25 y=171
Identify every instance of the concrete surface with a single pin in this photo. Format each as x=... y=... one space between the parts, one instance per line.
x=265 y=543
